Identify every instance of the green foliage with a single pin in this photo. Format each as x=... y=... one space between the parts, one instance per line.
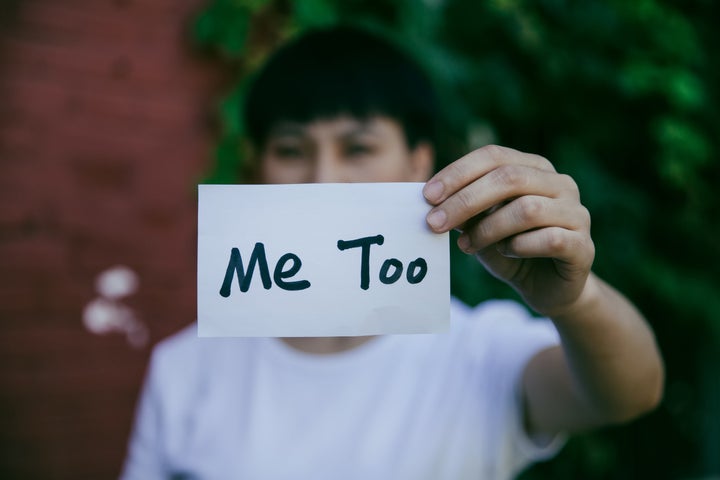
x=621 y=95
x=225 y=24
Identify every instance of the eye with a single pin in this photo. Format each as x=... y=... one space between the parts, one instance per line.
x=358 y=149
x=289 y=151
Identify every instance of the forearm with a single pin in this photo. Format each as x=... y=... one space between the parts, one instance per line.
x=609 y=369
x=525 y=223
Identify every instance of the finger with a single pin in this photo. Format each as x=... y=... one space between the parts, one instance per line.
x=499 y=186
x=571 y=247
x=523 y=214
x=474 y=165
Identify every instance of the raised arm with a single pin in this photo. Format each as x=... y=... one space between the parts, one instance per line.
x=525 y=223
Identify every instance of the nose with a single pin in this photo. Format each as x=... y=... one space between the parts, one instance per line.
x=327 y=168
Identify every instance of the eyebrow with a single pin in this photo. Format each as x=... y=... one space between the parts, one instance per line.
x=287 y=129
x=358 y=127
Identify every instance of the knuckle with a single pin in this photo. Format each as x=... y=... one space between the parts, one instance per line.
x=545 y=164
x=590 y=247
x=510 y=176
x=585 y=252
x=453 y=171
x=556 y=241
x=496 y=152
x=530 y=208
x=570 y=185
x=586 y=217
x=591 y=252
x=464 y=200
x=482 y=231
x=541 y=163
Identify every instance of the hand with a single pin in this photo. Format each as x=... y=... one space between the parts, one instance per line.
x=521 y=219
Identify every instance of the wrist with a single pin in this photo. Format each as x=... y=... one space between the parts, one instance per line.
x=588 y=300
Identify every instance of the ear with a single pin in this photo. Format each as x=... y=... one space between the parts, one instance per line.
x=422 y=159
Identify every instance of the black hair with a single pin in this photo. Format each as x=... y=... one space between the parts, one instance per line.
x=341 y=70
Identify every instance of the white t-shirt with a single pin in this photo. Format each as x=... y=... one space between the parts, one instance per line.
x=398 y=407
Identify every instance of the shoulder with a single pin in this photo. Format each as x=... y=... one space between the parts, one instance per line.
x=179 y=364
x=178 y=345
x=498 y=316
x=178 y=352
x=490 y=311
x=501 y=331
x=185 y=348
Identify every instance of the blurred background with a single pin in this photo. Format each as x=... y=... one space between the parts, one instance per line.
x=111 y=111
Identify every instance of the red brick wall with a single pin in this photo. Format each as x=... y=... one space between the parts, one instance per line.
x=104 y=132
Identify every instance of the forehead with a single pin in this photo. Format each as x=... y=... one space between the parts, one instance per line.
x=378 y=126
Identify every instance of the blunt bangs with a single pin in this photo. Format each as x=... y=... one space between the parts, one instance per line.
x=341 y=71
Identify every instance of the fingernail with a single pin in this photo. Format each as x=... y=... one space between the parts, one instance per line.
x=463 y=243
x=433 y=190
x=503 y=249
x=436 y=219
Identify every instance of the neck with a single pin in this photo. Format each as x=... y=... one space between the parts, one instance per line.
x=325 y=345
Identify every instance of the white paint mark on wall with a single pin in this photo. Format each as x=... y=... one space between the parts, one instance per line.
x=107 y=314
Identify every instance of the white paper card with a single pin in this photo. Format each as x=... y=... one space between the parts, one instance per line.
x=319 y=260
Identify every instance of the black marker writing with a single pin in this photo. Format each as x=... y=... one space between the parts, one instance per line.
x=421 y=265
x=391 y=269
x=390 y=262
x=258 y=257
x=289 y=264
x=279 y=275
x=364 y=243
